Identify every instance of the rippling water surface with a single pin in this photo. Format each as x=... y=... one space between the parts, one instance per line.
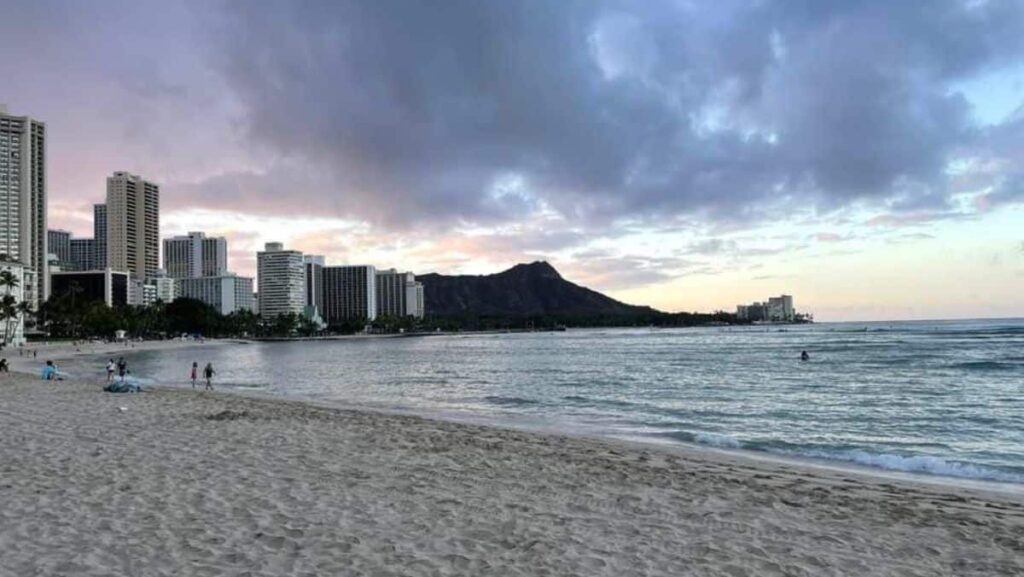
x=943 y=398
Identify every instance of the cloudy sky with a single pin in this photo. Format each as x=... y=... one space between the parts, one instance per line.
x=866 y=157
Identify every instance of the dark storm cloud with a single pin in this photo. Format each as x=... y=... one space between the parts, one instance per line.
x=488 y=111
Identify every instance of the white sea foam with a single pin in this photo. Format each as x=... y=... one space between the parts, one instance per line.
x=717 y=440
x=913 y=464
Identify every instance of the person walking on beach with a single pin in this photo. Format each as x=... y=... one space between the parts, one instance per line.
x=111 y=367
x=195 y=373
x=122 y=368
x=208 y=373
x=3 y=366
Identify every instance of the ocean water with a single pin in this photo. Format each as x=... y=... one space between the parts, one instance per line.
x=939 y=398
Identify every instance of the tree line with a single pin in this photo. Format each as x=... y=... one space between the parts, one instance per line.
x=64 y=316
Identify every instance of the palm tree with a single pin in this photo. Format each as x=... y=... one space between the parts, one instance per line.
x=10 y=311
x=8 y=317
x=8 y=280
x=25 y=311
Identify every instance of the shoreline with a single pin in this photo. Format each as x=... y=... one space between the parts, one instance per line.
x=738 y=456
x=227 y=482
x=63 y=352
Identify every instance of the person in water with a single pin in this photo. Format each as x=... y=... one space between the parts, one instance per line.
x=804 y=356
x=208 y=373
x=195 y=373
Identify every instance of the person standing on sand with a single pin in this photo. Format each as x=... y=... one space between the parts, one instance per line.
x=122 y=368
x=3 y=366
x=208 y=373
x=111 y=366
x=195 y=371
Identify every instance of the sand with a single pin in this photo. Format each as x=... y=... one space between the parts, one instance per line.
x=177 y=482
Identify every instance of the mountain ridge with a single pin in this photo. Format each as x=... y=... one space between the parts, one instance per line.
x=524 y=290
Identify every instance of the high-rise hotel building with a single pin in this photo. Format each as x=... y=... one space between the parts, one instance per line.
x=398 y=294
x=195 y=255
x=350 y=293
x=133 y=225
x=23 y=222
x=281 y=276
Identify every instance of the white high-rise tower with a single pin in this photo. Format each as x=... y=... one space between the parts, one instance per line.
x=281 y=275
x=23 y=201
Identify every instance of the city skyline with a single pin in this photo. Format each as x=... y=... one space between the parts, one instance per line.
x=859 y=180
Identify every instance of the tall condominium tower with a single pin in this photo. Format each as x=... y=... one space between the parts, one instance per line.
x=99 y=235
x=58 y=243
x=282 y=280
x=397 y=294
x=314 y=281
x=350 y=292
x=23 y=201
x=133 y=225
x=195 y=255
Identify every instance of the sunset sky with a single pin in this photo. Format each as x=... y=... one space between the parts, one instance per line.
x=865 y=157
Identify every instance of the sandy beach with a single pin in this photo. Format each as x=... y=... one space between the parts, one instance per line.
x=176 y=482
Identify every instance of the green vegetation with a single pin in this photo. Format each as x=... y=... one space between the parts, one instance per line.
x=68 y=316
x=11 y=310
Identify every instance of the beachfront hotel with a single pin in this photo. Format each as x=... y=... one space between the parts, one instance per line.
x=227 y=293
x=165 y=287
x=776 y=310
x=350 y=292
x=23 y=216
x=133 y=225
x=195 y=255
x=399 y=294
x=281 y=276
